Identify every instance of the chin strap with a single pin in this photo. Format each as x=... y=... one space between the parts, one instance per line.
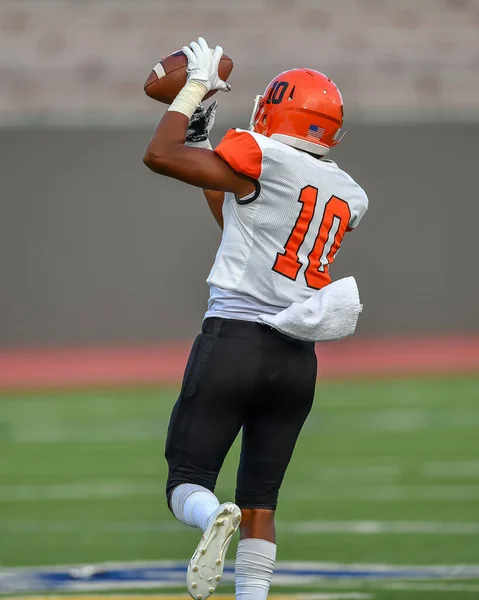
x=339 y=136
x=257 y=100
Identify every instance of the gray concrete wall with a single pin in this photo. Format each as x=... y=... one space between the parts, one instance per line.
x=95 y=248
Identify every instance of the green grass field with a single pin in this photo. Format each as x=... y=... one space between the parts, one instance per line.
x=82 y=475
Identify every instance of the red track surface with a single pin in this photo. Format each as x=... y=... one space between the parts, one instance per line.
x=26 y=369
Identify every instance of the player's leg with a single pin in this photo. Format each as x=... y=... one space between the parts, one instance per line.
x=197 y=506
x=205 y=421
x=200 y=431
x=270 y=433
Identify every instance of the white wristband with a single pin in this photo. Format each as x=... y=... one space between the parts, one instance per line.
x=189 y=98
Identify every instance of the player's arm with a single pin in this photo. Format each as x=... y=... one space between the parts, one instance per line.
x=167 y=153
x=215 y=203
x=198 y=136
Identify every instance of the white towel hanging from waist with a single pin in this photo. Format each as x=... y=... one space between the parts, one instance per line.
x=330 y=314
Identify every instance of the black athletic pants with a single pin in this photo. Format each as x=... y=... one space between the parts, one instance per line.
x=240 y=375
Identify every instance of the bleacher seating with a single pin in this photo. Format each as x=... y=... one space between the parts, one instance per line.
x=87 y=59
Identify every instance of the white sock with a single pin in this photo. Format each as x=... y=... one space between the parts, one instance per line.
x=193 y=504
x=254 y=566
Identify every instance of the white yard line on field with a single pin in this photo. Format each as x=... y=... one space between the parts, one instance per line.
x=287 y=527
x=342 y=473
x=78 y=491
x=384 y=493
x=379 y=527
x=383 y=470
x=466 y=469
x=79 y=434
x=90 y=527
x=383 y=473
x=136 y=487
x=322 y=596
x=431 y=587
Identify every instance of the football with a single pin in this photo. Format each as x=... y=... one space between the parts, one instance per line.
x=169 y=76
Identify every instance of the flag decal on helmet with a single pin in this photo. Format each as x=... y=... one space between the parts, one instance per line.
x=315 y=132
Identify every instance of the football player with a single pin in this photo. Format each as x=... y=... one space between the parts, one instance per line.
x=284 y=210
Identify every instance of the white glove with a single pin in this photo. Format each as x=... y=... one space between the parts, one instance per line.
x=203 y=65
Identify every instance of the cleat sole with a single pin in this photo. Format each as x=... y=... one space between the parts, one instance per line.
x=208 y=560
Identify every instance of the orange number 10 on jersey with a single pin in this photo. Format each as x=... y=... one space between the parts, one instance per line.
x=328 y=240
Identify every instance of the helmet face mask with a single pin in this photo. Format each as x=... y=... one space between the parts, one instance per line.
x=257 y=101
x=302 y=108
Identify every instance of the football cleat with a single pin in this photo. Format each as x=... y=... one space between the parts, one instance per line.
x=206 y=565
x=302 y=108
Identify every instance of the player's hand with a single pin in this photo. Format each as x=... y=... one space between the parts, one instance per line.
x=203 y=65
x=200 y=125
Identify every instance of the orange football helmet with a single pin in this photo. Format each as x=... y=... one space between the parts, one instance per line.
x=302 y=108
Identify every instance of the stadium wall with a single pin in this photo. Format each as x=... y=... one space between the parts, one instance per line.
x=401 y=59
x=96 y=249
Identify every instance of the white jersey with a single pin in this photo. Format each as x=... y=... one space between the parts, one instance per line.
x=278 y=243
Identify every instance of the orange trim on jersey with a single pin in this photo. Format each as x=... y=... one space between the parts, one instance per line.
x=242 y=152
